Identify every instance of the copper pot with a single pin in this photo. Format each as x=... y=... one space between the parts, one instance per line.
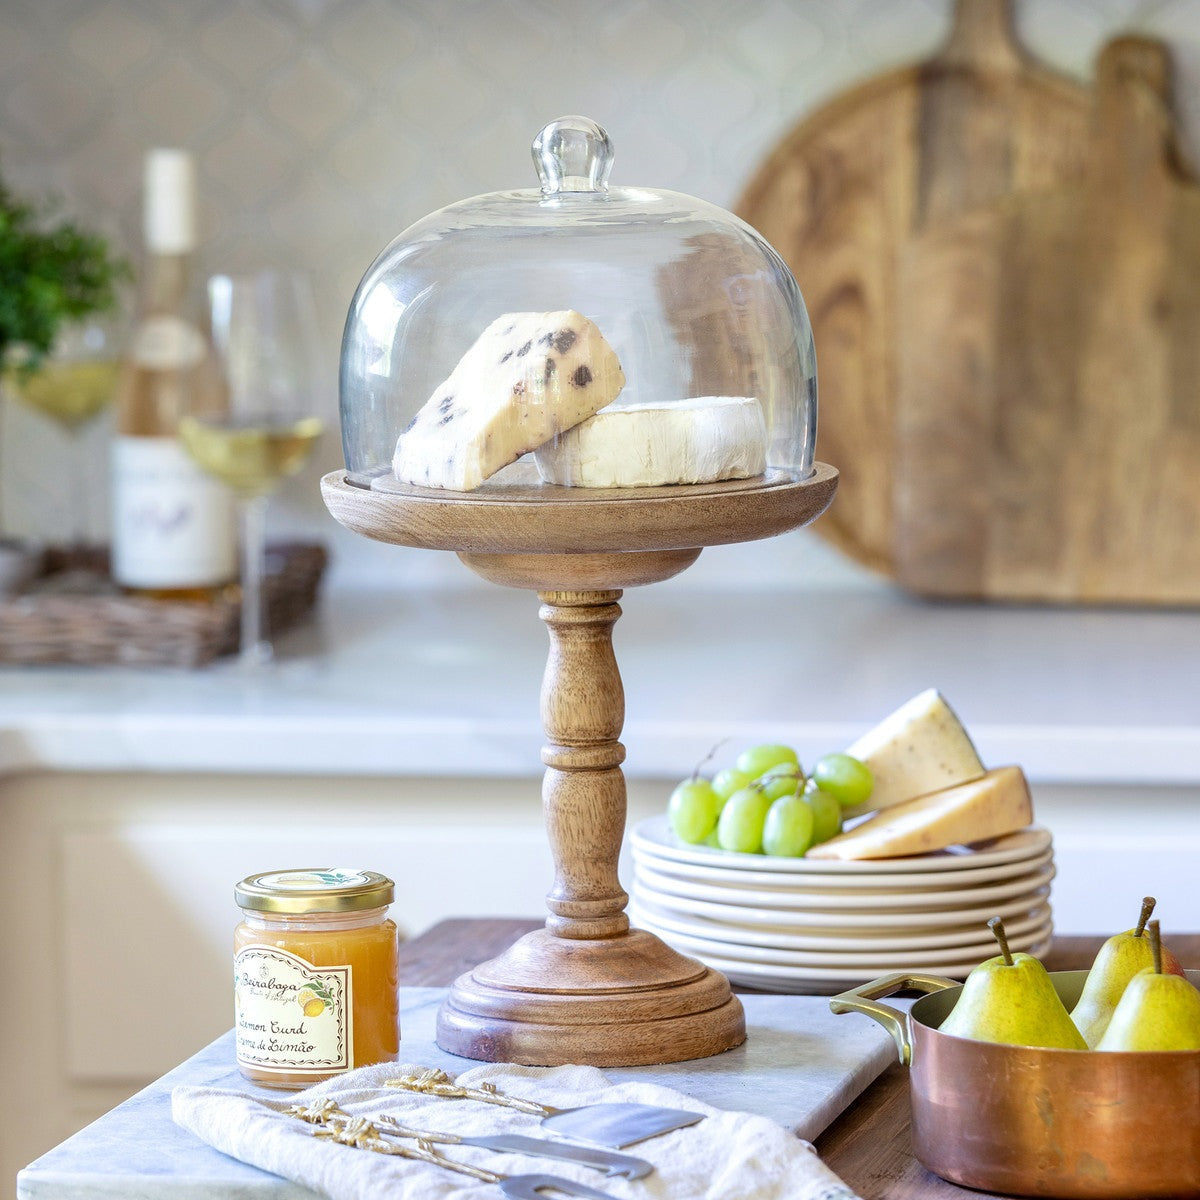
x=1031 y=1122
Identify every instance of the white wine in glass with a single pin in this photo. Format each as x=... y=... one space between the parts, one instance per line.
x=265 y=333
x=252 y=454
x=71 y=388
x=71 y=394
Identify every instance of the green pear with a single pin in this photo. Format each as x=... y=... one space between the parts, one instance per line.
x=1119 y=960
x=1158 y=1010
x=1010 y=999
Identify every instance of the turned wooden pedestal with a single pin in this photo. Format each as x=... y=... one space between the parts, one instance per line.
x=586 y=988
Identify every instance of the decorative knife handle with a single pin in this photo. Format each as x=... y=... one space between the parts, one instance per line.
x=432 y=1082
x=336 y=1125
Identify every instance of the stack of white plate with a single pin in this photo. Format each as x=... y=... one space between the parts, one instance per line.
x=822 y=925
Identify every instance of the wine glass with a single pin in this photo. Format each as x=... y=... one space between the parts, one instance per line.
x=264 y=331
x=72 y=386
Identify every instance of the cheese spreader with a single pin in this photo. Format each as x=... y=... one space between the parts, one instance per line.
x=608 y=1161
x=534 y=1187
x=617 y=1125
x=614 y=1124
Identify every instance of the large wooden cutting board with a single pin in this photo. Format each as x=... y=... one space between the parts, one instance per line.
x=1047 y=414
x=840 y=197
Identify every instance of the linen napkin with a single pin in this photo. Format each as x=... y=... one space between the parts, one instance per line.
x=727 y=1156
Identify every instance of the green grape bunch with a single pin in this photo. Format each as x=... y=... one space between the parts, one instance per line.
x=766 y=804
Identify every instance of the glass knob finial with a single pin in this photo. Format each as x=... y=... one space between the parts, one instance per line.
x=572 y=154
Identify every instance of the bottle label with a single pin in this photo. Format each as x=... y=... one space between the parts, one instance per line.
x=167 y=343
x=291 y=1016
x=173 y=526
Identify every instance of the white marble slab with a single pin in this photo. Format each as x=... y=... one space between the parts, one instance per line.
x=800 y=1065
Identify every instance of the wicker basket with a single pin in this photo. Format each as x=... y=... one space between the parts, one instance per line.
x=71 y=612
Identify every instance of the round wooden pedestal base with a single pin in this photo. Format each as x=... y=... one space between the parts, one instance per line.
x=620 y=1001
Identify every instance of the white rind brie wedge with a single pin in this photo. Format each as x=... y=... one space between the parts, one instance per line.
x=527 y=377
x=699 y=440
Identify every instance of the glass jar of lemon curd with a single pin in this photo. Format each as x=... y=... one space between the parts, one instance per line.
x=315 y=975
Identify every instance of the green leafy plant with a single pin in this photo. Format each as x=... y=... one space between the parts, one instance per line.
x=52 y=272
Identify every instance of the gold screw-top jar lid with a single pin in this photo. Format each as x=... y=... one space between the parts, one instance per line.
x=314 y=890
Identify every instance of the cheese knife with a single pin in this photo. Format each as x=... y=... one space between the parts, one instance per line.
x=376 y=1135
x=608 y=1161
x=615 y=1125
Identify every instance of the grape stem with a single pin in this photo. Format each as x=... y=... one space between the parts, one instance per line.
x=707 y=758
x=761 y=786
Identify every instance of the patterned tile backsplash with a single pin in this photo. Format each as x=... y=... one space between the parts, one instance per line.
x=322 y=128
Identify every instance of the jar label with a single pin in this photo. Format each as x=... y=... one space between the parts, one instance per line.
x=291 y=1016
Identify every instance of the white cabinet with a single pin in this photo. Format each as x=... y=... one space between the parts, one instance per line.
x=1115 y=844
x=118 y=894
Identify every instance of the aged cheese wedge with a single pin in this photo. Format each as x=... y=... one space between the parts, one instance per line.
x=920 y=748
x=528 y=377
x=698 y=440
x=994 y=805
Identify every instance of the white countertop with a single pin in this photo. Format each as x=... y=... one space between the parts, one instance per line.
x=446 y=682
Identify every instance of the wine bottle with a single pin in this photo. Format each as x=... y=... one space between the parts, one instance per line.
x=173 y=525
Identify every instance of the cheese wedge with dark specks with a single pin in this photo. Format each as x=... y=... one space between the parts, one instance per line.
x=528 y=377
x=921 y=747
x=989 y=807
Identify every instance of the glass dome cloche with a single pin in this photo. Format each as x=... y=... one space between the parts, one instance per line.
x=577 y=335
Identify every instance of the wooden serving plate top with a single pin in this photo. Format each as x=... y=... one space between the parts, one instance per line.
x=517 y=515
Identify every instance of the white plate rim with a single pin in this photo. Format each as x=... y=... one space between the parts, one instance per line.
x=880 y=961
x=747 y=876
x=786 y=979
x=767 y=938
x=653 y=832
x=751 y=972
x=838 y=900
x=736 y=914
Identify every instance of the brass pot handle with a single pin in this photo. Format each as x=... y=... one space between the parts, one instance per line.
x=863 y=999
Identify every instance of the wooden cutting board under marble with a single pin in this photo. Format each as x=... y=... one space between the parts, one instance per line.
x=800 y=1066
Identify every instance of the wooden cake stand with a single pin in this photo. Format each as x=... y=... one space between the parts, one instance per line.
x=586 y=988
